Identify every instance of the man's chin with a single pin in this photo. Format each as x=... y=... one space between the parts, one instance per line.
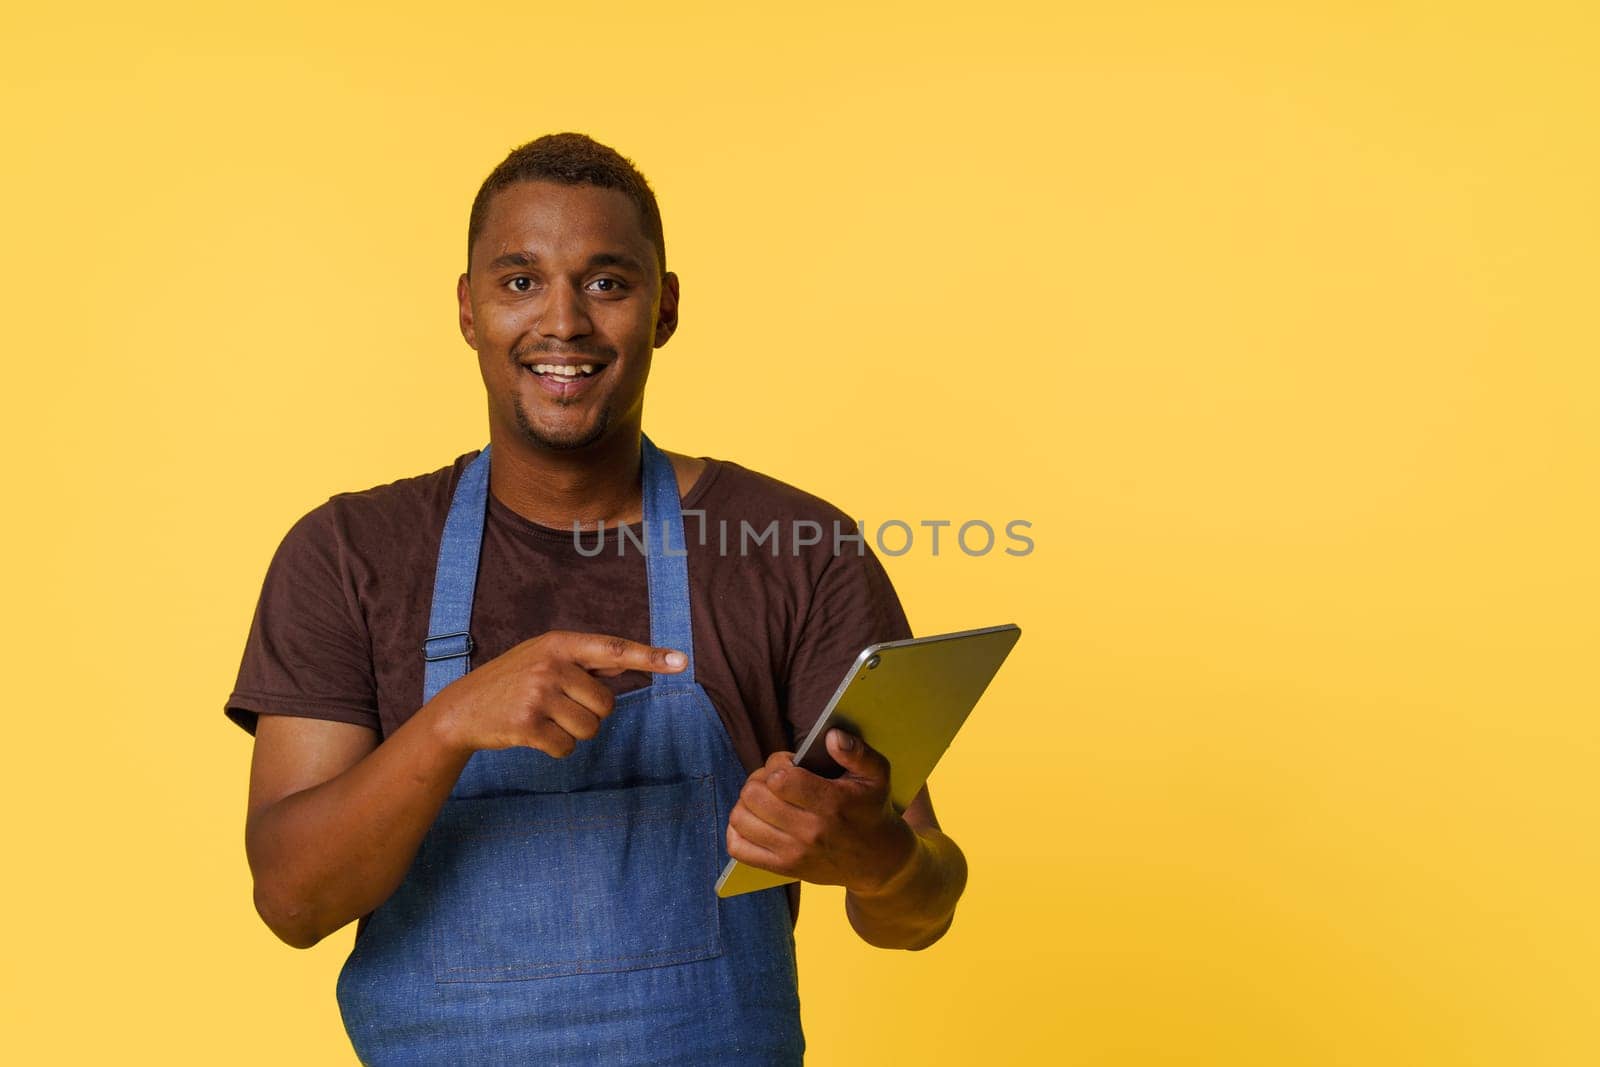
x=562 y=438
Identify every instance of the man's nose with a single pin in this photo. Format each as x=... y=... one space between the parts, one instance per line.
x=564 y=316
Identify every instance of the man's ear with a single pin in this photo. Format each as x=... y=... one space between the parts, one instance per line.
x=464 y=312
x=667 y=316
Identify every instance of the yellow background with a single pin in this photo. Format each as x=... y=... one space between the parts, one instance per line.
x=1276 y=321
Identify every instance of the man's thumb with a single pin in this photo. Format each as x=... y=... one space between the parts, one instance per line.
x=847 y=749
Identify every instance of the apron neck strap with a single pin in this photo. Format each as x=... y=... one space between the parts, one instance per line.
x=667 y=562
x=446 y=651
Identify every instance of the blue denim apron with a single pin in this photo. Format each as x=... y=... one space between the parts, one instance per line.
x=561 y=911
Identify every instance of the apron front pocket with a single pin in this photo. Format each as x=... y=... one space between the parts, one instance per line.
x=546 y=884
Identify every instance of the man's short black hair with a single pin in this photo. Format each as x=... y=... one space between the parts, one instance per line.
x=571 y=159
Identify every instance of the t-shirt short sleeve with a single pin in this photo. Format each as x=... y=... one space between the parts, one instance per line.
x=854 y=605
x=308 y=652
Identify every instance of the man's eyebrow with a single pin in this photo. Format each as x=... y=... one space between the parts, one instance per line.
x=615 y=259
x=599 y=259
x=514 y=259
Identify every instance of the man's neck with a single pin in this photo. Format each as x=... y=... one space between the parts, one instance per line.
x=557 y=488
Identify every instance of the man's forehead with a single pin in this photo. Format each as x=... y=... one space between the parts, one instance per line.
x=526 y=215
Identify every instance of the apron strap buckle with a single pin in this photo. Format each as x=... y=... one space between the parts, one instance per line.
x=447 y=646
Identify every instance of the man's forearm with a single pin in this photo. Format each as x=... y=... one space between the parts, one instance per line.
x=915 y=908
x=332 y=853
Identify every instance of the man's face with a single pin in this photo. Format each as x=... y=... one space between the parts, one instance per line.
x=562 y=277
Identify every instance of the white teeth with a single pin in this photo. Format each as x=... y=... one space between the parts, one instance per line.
x=563 y=372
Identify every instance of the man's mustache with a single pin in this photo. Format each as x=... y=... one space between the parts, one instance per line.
x=600 y=352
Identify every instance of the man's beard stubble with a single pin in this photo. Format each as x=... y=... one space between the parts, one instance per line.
x=559 y=444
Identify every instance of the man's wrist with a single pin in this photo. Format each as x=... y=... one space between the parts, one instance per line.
x=900 y=874
x=443 y=724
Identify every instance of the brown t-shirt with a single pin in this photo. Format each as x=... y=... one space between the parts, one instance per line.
x=343 y=613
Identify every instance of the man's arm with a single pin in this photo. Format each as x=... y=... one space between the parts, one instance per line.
x=918 y=903
x=902 y=875
x=335 y=818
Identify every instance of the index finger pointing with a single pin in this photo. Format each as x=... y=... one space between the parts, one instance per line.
x=608 y=653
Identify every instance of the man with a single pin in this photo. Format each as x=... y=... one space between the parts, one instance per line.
x=531 y=845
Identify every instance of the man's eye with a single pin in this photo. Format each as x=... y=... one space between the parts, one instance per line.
x=520 y=284
x=610 y=285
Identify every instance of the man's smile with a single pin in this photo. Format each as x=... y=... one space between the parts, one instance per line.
x=564 y=378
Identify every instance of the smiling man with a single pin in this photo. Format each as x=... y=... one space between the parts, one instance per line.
x=521 y=765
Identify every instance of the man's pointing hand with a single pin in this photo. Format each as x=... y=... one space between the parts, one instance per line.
x=543 y=693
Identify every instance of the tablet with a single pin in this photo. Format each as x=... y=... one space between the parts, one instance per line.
x=906 y=699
